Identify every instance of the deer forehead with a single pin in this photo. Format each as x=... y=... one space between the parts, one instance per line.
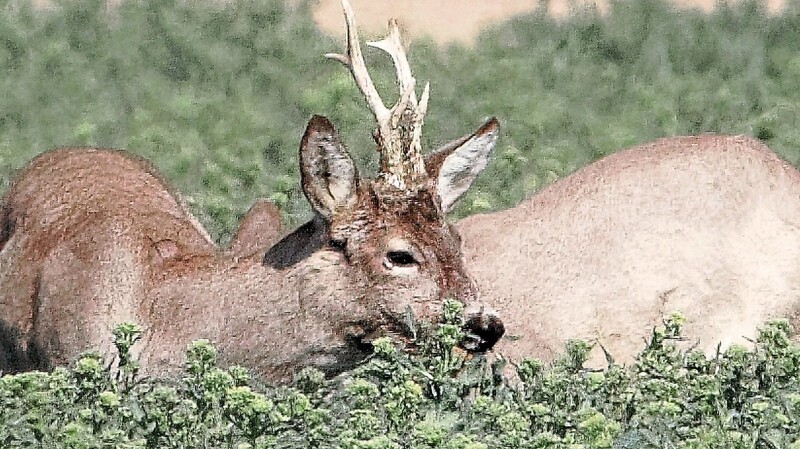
x=419 y=206
x=390 y=211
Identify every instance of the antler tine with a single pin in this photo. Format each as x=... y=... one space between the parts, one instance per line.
x=399 y=130
x=394 y=47
x=423 y=101
x=419 y=117
x=354 y=61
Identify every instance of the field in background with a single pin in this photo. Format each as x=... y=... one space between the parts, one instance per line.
x=462 y=21
x=449 y=21
x=218 y=95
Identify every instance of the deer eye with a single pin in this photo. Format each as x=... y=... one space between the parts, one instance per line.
x=337 y=244
x=401 y=258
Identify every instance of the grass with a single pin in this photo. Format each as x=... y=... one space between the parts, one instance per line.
x=217 y=95
x=435 y=398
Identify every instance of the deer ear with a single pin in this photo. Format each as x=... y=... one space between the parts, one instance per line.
x=455 y=165
x=327 y=173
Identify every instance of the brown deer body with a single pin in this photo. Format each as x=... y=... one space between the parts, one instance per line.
x=708 y=226
x=92 y=239
x=88 y=224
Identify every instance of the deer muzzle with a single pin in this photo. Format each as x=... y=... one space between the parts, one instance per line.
x=483 y=329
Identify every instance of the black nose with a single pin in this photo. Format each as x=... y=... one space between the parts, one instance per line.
x=482 y=331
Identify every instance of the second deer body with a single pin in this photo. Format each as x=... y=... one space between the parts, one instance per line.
x=708 y=226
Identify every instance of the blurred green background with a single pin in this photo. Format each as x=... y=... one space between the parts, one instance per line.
x=217 y=95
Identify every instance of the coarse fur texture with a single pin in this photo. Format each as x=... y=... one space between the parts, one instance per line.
x=708 y=226
x=258 y=230
x=63 y=203
x=95 y=237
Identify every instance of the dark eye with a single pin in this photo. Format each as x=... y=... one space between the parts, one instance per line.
x=401 y=258
x=337 y=244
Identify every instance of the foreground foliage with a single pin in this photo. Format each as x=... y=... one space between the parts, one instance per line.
x=436 y=398
x=217 y=93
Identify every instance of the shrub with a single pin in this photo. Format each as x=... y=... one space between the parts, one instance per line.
x=437 y=397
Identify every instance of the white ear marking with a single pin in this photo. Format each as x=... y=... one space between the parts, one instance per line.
x=460 y=168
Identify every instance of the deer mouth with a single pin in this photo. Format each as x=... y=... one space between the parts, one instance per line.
x=481 y=330
x=360 y=335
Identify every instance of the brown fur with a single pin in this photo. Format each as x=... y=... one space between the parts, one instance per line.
x=259 y=229
x=708 y=226
x=63 y=204
x=96 y=237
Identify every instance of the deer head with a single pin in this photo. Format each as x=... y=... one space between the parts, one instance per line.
x=391 y=231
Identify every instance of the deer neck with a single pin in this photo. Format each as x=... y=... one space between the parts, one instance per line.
x=272 y=320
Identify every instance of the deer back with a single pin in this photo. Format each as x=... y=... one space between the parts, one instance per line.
x=90 y=224
x=708 y=226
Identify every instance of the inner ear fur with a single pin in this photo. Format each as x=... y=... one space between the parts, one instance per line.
x=456 y=164
x=327 y=173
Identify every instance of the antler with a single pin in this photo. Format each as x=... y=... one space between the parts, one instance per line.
x=399 y=130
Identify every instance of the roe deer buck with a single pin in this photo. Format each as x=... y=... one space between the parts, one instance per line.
x=708 y=226
x=93 y=237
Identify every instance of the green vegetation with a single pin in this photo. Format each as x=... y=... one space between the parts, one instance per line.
x=217 y=94
x=435 y=398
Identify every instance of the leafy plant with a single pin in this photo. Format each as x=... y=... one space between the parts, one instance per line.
x=436 y=397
